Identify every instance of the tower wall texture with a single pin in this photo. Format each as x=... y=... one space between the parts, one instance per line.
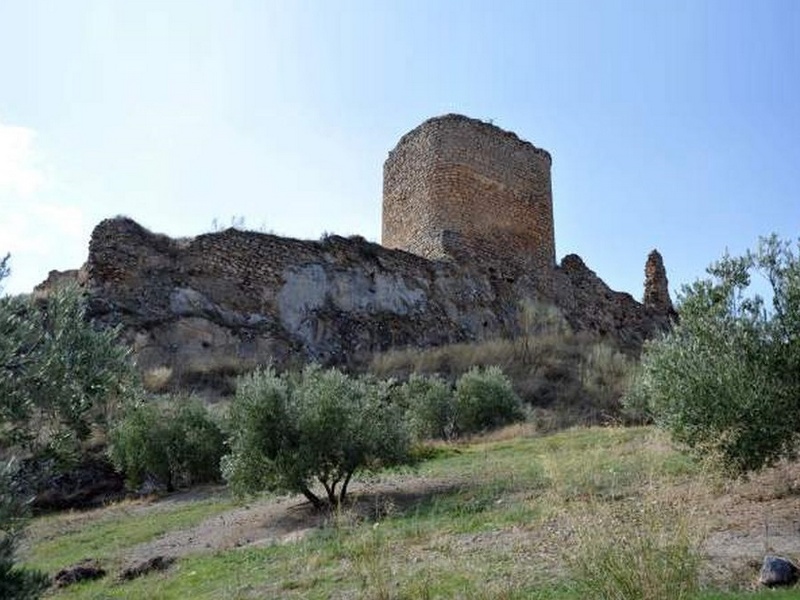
x=458 y=188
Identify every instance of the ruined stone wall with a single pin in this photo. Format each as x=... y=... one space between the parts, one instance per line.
x=459 y=188
x=656 y=285
x=232 y=300
x=454 y=188
x=237 y=298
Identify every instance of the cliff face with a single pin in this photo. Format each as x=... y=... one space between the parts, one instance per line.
x=232 y=300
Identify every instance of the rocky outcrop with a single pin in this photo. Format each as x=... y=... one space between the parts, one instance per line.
x=145 y=567
x=227 y=301
x=589 y=304
x=240 y=297
x=656 y=287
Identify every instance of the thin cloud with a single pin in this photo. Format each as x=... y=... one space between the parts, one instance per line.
x=18 y=171
x=40 y=231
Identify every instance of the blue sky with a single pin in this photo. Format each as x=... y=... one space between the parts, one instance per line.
x=672 y=124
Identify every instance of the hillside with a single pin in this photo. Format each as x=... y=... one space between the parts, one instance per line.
x=514 y=515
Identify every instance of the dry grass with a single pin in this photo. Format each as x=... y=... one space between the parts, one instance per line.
x=157 y=380
x=566 y=379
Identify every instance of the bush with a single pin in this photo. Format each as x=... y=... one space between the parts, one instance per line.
x=726 y=380
x=319 y=426
x=59 y=377
x=485 y=399
x=605 y=375
x=177 y=445
x=15 y=583
x=430 y=407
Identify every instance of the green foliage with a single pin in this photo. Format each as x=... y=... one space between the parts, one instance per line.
x=176 y=444
x=288 y=432
x=430 y=407
x=15 y=583
x=485 y=399
x=726 y=380
x=59 y=376
x=566 y=378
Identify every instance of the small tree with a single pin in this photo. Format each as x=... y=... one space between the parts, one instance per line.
x=485 y=399
x=726 y=380
x=176 y=445
x=320 y=426
x=15 y=583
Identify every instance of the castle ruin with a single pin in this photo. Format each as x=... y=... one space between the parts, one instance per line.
x=467 y=241
x=461 y=189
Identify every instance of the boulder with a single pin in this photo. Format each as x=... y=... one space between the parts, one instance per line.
x=777 y=571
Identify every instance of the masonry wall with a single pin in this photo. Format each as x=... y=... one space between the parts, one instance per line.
x=226 y=302
x=458 y=188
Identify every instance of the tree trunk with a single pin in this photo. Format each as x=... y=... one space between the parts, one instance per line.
x=313 y=498
x=343 y=491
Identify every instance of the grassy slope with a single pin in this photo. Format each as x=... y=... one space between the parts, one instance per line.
x=504 y=520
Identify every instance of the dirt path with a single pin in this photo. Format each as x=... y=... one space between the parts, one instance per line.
x=271 y=521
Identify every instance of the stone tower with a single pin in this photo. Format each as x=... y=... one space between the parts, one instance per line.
x=460 y=189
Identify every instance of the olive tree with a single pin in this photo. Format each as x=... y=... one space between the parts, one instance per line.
x=430 y=407
x=59 y=376
x=485 y=400
x=16 y=583
x=318 y=427
x=726 y=380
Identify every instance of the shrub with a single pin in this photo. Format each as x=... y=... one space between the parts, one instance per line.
x=288 y=432
x=430 y=407
x=605 y=375
x=175 y=446
x=485 y=399
x=16 y=583
x=726 y=380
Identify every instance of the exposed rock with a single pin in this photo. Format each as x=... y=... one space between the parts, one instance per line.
x=589 y=304
x=59 y=279
x=656 y=285
x=777 y=571
x=157 y=563
x=471 y=201
x=85 y=570
x=228 y=301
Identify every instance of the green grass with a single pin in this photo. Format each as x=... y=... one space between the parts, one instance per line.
x=63 y=539
x=487 y=519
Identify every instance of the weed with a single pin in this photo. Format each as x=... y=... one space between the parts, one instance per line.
x=636 y=551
